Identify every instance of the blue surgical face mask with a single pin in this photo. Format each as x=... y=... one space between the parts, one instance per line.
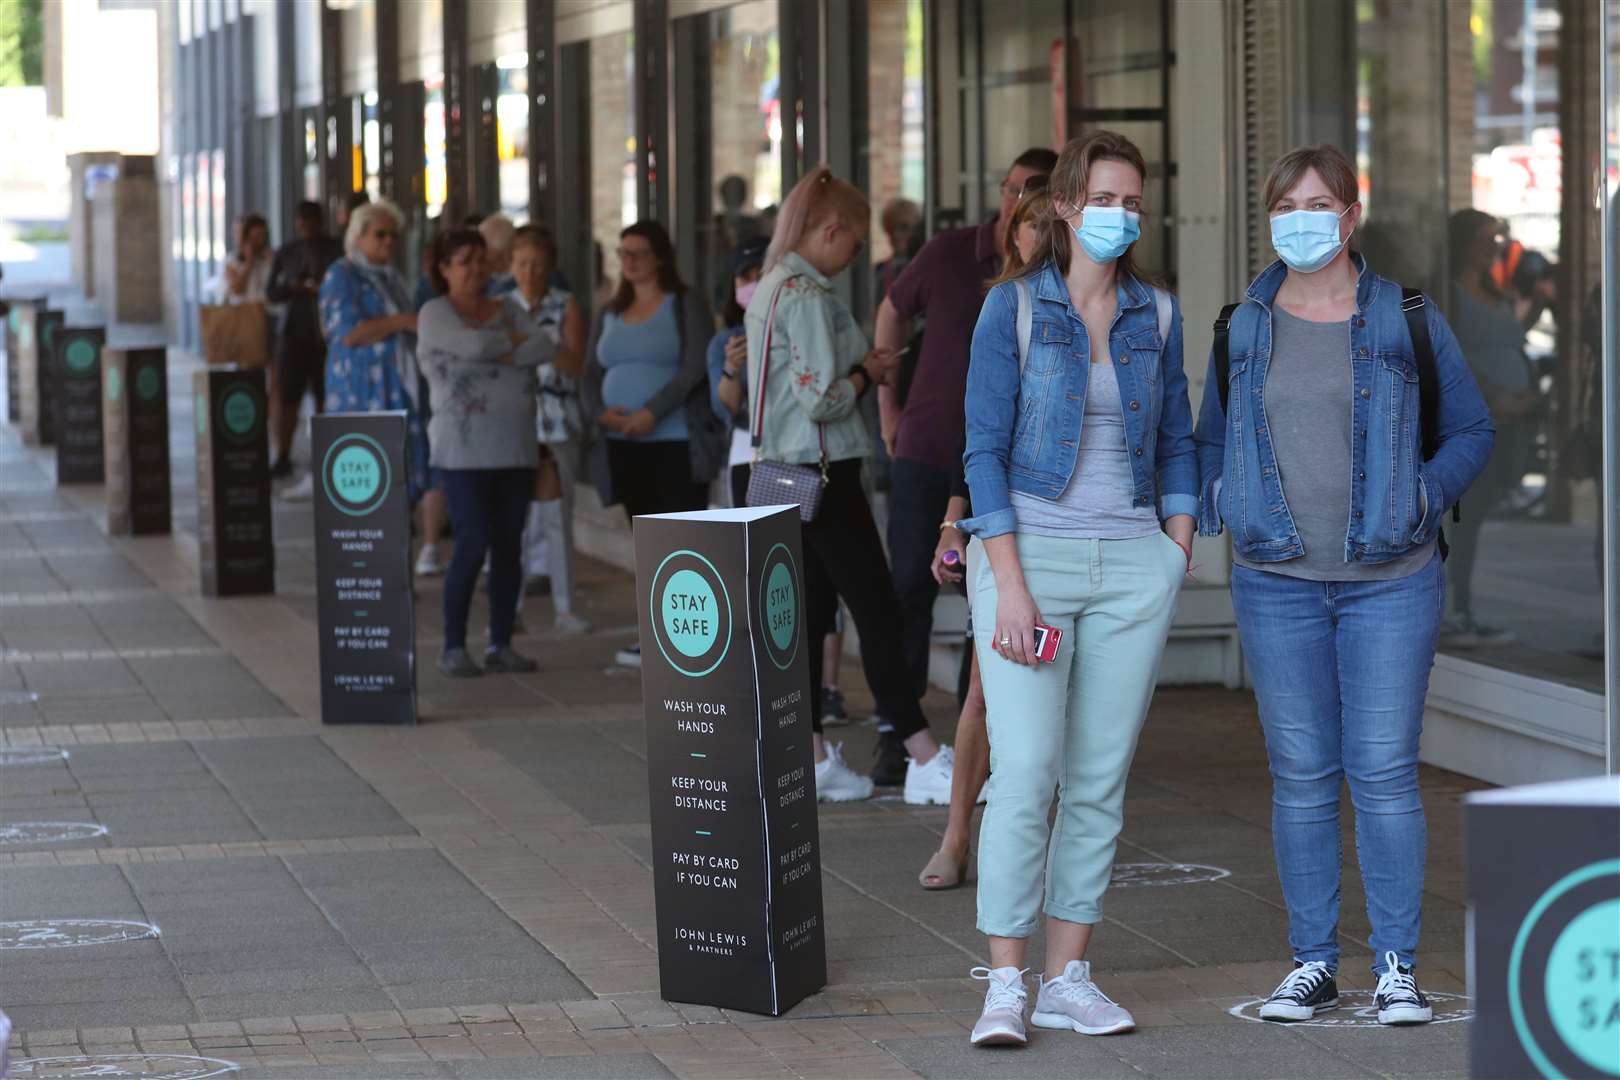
x=1307 y=240
x=1106 y=231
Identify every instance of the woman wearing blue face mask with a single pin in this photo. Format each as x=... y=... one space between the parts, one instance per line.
x=1083 y=476
x=1318 y=465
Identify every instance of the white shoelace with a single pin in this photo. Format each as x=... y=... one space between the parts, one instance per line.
x=1001 y=995
x=1302 y=981
x=1078 y=991
x=1396 y=984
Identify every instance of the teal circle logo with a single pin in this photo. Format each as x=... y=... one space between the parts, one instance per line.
x=1583 y=986
x=779 y=606
x=356 y=474
x=200 y=410
x=1564 y=975
x=47 y=333
x=80 y=356
x=147 y=383
x=115 y=385
x=239 y=412
x=691 y=613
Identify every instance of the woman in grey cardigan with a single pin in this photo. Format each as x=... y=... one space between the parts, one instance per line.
x=646 y=357
x=480 y=368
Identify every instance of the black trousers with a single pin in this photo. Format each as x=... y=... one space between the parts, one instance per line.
x=918 y=496
x=654 y=478
x=843 y=557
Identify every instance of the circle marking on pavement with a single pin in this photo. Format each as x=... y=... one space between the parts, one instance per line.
x=1359 y=1009
x=121 y=1066
x=31 y=755
x=49 y=832
x=70 y=933
x=1136 y=875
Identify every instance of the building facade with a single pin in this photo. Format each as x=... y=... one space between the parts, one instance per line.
x=590 y=114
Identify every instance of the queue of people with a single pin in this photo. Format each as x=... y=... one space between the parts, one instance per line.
x=1045 y=458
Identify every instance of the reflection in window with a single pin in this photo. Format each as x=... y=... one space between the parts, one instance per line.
x=1488 y=238
x=746 y=142
x=898 y=182
x=312 y=158
x=366 y=164
x=613 y=144
x=512 y=135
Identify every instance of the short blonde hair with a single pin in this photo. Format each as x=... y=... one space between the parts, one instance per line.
x=366 y=215
x=1330 y=164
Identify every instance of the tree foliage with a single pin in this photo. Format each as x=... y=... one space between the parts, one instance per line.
x=22 y=42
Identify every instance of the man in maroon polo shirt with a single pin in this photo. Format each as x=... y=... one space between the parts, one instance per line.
x=945 y=284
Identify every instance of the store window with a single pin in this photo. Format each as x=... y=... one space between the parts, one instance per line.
x=434 y=186
x=1463 y=124
x=366 y=171
x=311 y=157
x=613 y=144
x=896 y=138
x=512 y=134
x=745 y=145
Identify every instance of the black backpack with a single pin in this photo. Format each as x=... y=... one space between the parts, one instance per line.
x=1417 y=325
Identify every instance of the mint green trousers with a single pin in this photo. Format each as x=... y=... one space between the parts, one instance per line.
x=1069 y=726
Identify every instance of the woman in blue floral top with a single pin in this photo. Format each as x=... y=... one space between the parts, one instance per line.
x=370 y=326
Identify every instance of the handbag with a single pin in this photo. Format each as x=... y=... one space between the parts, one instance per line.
x=775 y=483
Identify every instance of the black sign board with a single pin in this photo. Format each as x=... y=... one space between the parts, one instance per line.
x=726 y=693
x=362 y=562
x=48 y=325
x=78 y=404
x=13 y=353
x=235 y=549
x=1544 y=927
x=135 y=426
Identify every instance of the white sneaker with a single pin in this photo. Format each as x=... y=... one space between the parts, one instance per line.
x=301 y=490
x=930 y=784
x=427 y=561
x=571 y=624
x=1002 y=1021
x=1398 y=998
x=1074 y=1003
x=837 y=782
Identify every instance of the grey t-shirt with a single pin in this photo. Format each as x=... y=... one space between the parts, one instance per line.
x=483 y=410
x=1309 y=397
x=1099 y=502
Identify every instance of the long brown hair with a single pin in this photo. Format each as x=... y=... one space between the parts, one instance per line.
x=1032 y=207
x=663 y=251
x=1067 y=188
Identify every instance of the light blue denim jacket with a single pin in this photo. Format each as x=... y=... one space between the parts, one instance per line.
x=1023 y=429
x=1398 y=501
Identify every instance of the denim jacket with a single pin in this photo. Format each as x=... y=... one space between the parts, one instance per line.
x=1397 y=500
x=814 y=344
x=1023 y=428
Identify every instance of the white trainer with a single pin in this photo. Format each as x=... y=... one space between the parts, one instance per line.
x=427 y=561
x=571 y=624
x=837 y=782
x=1002 y=1021
x=930 y=784
x=1073 y=1002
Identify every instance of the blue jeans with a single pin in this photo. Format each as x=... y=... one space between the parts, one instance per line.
x=1340 y=669
x=487 y=511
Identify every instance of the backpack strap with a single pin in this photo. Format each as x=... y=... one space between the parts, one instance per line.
x=1026 y=319
x=1223 y=353
x=1417 y=326
x=1161 y=301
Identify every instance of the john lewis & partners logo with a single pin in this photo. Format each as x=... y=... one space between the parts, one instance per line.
x=779 y=606
x=356 y=475
x=691 y=613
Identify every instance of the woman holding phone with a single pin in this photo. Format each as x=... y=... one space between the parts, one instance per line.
x=1084 y=483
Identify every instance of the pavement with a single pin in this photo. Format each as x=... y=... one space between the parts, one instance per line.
x=198 y=878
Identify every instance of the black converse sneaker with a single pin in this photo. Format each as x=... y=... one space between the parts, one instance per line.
x=1398 y=998
x=1308 y=990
